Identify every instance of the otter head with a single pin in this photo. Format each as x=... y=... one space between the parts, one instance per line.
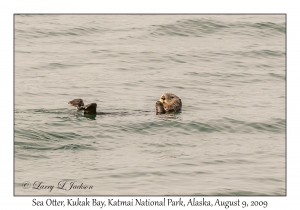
x=171 y=102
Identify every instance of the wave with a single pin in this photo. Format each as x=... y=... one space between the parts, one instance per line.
x=203 y=27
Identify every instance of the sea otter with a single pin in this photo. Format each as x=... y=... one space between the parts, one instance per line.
x=168 y=103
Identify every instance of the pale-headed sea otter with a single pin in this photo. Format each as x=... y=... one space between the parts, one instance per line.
x=168 y=103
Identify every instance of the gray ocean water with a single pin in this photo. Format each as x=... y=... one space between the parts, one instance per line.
x=228 y=70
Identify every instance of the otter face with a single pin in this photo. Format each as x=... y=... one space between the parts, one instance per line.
x=167 y=97
x=171 y=102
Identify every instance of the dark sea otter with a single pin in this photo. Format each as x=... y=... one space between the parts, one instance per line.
x=168 y=103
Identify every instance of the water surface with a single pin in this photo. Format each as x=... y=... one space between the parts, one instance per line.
x=228 y=70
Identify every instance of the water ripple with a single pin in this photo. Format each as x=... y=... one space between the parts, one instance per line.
x=201 y=27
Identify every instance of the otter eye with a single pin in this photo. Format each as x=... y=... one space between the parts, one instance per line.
x=172 y=97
